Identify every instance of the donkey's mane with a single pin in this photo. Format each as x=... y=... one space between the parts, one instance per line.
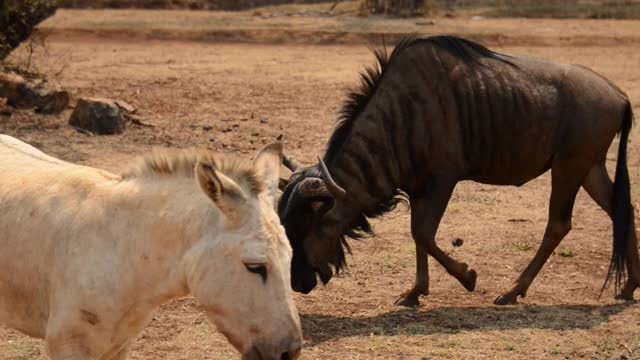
x=371 y=77
x=161 y=163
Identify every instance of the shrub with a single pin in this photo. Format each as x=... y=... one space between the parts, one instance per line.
x=18 y=19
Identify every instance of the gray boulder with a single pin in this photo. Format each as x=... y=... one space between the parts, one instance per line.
x=98 y=116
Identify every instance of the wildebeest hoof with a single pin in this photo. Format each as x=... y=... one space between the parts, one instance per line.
x=408 y=299
x=627 y=291
x=626 y=297
x=470 y=281
x=505 y=300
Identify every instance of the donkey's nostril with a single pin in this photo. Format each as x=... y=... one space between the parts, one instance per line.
x=291 y=355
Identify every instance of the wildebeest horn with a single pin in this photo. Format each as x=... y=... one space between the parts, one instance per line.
x=287 y=161
x=282 y=183
x=290 y=163
x=333 y=188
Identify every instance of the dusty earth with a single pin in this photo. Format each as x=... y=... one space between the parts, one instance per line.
x=236 y=97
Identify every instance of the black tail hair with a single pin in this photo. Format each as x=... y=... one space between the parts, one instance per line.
x=621 y=210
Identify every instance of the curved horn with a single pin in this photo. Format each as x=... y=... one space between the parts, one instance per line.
x=289 y=162
x=291 y=206
x=334 y=188
x=282 y=183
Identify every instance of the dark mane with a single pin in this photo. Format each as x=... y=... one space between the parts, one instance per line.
x=371 y=77
x=357 y=100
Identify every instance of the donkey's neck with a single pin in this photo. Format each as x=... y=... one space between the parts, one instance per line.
x=363 y=161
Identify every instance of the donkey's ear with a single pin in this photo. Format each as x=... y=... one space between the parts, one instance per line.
x=216 y=185
x=267 y=165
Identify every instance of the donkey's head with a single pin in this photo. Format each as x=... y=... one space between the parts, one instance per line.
x=241 y=274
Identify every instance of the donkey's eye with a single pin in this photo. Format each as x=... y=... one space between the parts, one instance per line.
x=259 y=269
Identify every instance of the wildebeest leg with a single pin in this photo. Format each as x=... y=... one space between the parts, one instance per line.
x=426 y=212
x=600 y=188
x=566 y=180
x=633 y=263
x=421 y=285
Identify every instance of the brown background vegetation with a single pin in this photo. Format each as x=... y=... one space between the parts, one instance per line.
x=234 y=81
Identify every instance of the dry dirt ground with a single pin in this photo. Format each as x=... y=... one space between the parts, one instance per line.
x=236 y=97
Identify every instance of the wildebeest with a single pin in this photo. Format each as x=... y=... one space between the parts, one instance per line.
x=440 y=110
x=87 y=256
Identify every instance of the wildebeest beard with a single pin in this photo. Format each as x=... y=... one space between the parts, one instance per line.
x=360 y=228
x=295 y=212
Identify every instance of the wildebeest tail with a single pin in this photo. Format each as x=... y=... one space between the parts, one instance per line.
x=621 y=210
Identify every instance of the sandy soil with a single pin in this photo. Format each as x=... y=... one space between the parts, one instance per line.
x=236 y=97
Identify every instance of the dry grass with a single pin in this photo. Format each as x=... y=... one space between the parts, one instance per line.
x=184 y=88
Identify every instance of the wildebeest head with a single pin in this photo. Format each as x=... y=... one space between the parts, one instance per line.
x=315 y=215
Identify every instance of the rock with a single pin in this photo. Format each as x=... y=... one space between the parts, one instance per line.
x=32 y=94
x=9 y=84
x=98 y=116
x=125 y=106
x=4 y=108
x=53 y=103
x=264 y=120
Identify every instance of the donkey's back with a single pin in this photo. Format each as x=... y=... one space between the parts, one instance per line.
x=18 y=159
x=38 y=194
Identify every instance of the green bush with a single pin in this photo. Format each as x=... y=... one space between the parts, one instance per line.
x=17 y=20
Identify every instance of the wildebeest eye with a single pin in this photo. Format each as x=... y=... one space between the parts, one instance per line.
x=259 y=269
x=321 y=205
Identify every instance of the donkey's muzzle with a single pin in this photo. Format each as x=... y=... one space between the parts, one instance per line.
x=268 y=352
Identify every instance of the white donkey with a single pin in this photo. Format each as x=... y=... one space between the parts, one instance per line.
x=86 y=256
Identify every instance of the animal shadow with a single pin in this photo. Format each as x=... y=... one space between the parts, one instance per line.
x=443 y=320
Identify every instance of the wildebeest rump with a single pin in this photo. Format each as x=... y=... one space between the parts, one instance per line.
x=440 y=110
